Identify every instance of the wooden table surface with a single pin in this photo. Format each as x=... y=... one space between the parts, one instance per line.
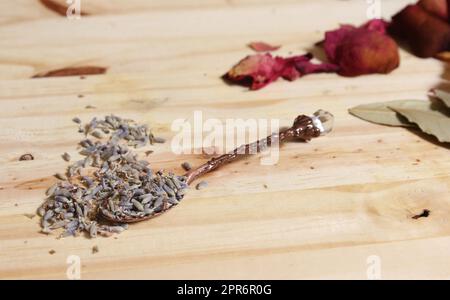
x=337 y=207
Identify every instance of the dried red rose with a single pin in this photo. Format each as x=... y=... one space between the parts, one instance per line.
x=257 y=71
x=426 y=33
x=262 y=47
x=362 y=50
x=438 y=8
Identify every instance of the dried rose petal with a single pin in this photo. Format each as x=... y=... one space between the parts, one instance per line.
x=362 y=50
x=257 y=71
x=262 y=47
x=367 y=52
x=378 y=25
x=425 y=33
x=300 y=65
x=334 y=38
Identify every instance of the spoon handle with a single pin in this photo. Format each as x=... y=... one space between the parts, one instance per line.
x=304 y=128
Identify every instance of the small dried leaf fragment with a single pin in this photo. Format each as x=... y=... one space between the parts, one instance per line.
x=380 y=113
x=257 y=71
x=73 y=71
x=362 y=50
x=262 y=47
x=430 y=118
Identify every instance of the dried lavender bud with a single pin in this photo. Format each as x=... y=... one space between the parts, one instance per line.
x=159 y=140
x=60 y=176
x=48 y=214
x=66 y=156
x=201 y=185
x=41 y=211
x=87 y=181
x=127 y=184
x=93 y=230
x=97 y=134
x=46 y=230
x=146 y=198
x=51 y=190
x=186 y=166
x=29 y=216
x=76 y=120
x=137 y=205
x=87 y=143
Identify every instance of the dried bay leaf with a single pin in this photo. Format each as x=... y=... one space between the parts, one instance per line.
x=380 y=113
x=430 y=117
x=444 y=96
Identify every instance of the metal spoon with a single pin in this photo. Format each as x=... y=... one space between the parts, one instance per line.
x=304 y=128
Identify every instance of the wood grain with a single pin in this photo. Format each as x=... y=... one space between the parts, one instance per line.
x=321 y=212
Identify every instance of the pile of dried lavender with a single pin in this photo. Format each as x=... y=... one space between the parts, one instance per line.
x=110 y=176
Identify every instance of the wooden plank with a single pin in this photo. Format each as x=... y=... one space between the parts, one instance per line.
x=320 y=212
